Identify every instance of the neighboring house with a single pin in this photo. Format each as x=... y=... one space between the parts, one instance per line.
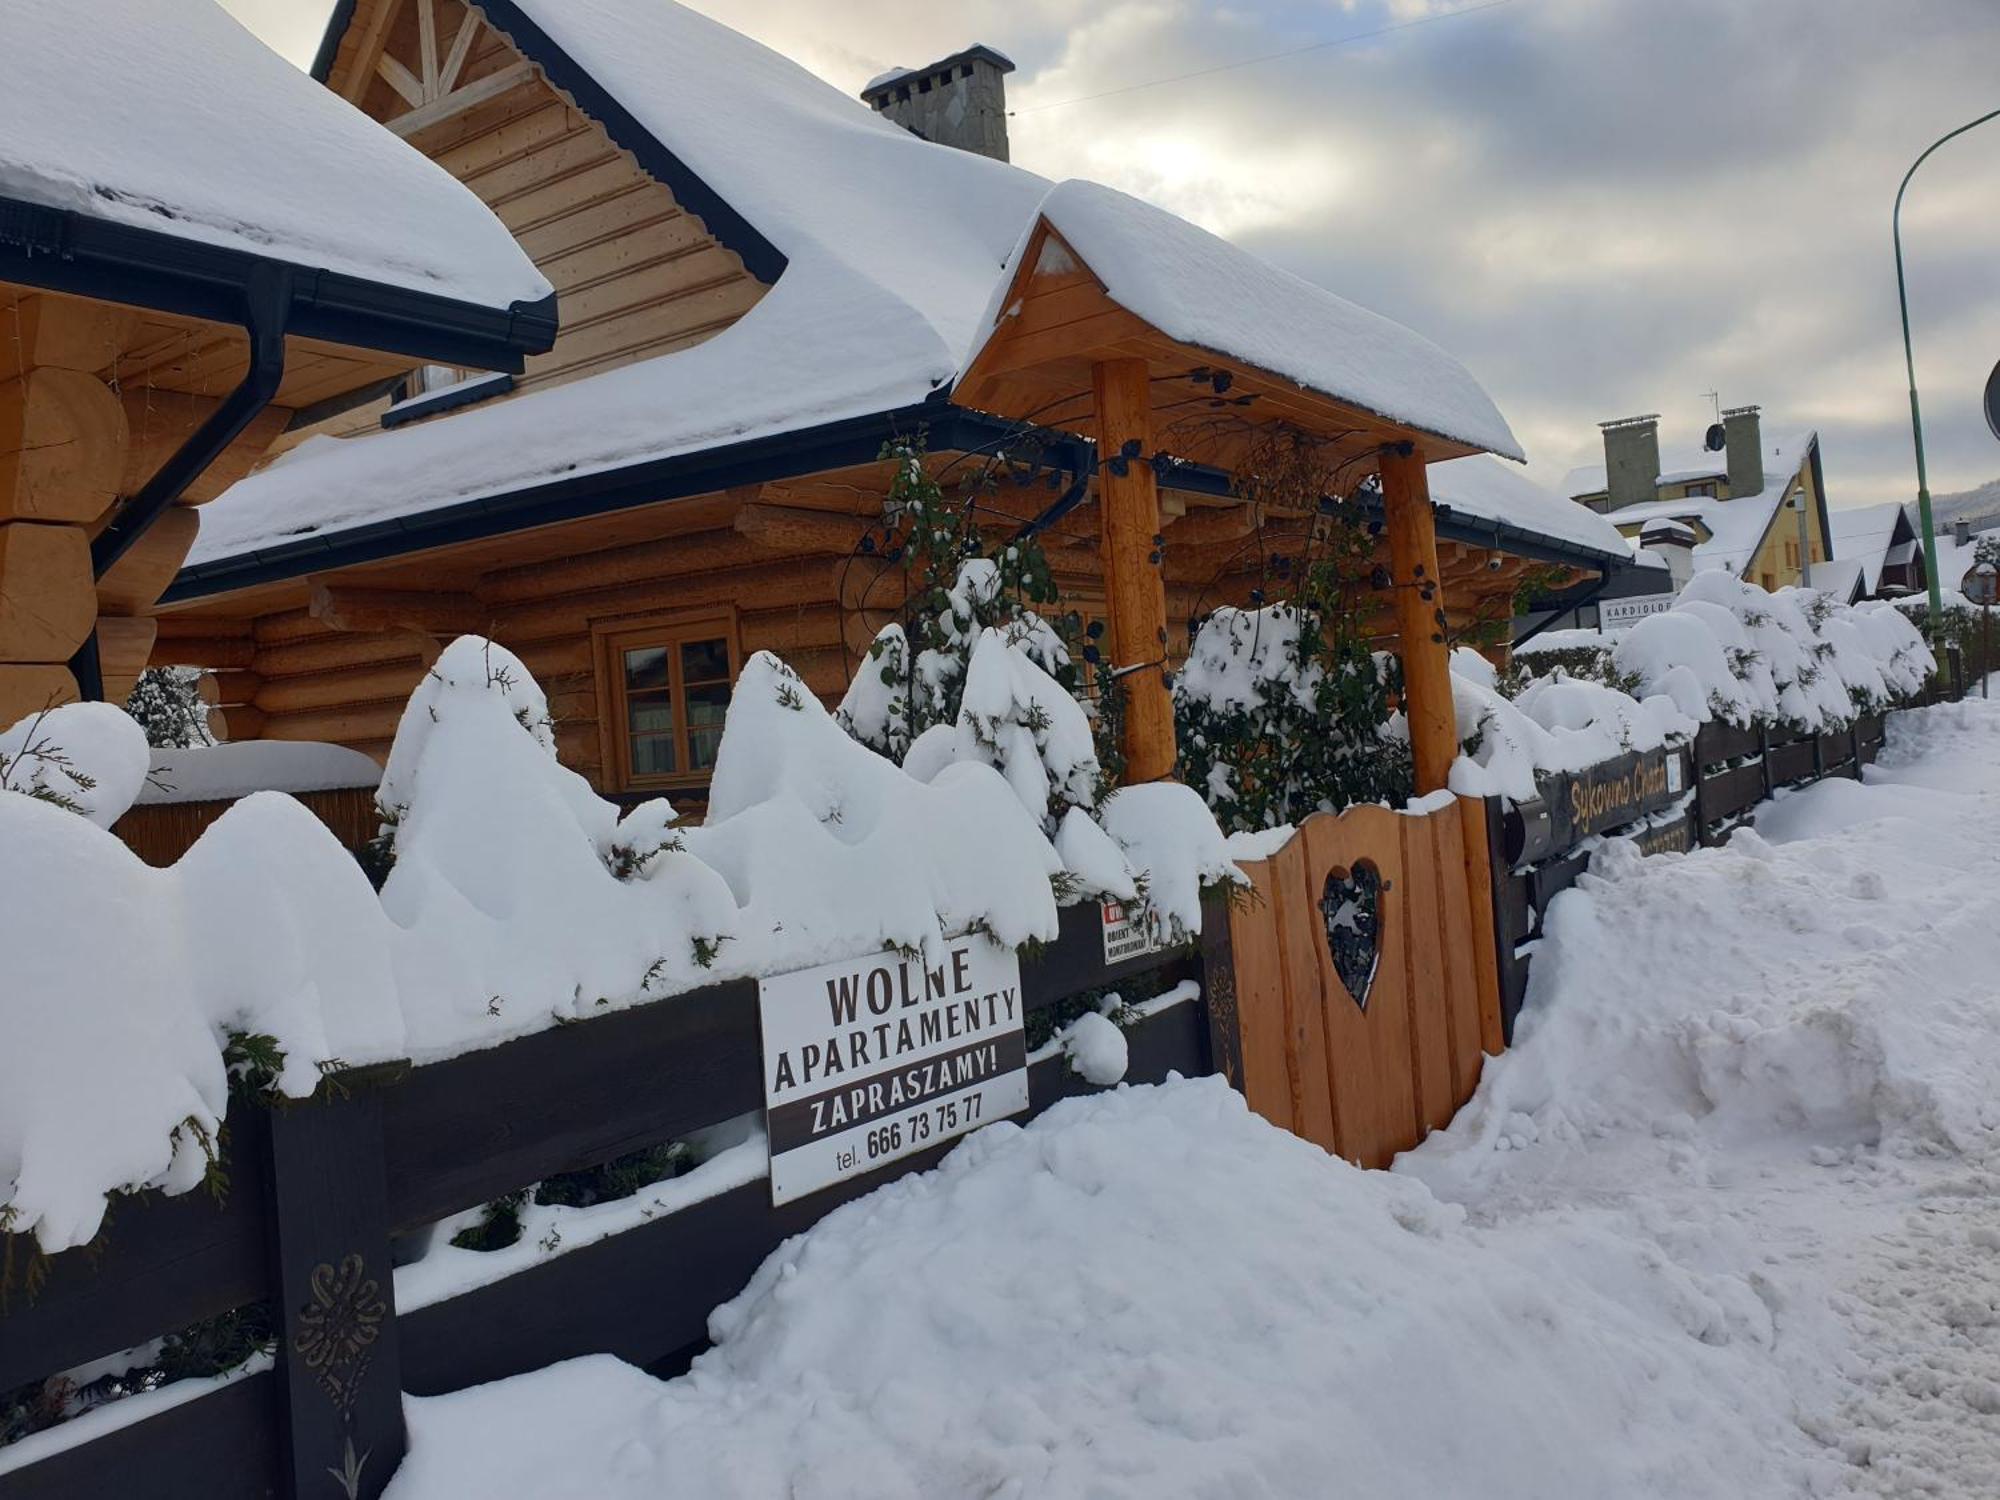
x=1876 y=553
x=1755 y=508
x=762 y=282
x=197 y=248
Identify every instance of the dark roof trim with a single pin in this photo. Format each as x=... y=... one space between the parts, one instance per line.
x=760 y=257
x=463 y=393
x=60 y=250
x=854 y=440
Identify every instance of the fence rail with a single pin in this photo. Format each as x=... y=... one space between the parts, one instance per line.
x=318 y=1189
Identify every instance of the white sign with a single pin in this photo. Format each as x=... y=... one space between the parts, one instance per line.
x=871 y=1059
x=1619 y=614
x=1130 y=931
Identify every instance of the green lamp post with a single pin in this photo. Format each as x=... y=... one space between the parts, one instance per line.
x=1910 y=364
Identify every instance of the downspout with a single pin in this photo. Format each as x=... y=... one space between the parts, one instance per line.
x=267 y=296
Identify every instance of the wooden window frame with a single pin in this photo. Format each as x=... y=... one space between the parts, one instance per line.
x=609 y=640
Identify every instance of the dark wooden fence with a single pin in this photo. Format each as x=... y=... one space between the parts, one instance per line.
x=317 y=1189
x=1667 y=799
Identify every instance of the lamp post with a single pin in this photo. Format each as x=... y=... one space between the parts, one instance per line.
x=1910 y=364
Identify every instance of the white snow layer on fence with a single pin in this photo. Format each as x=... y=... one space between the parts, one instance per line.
x=167 y=115
x=517 y=898
x=1726 y=650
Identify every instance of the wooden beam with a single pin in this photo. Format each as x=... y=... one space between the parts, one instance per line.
x=1134 y=587
x=160 y=421
x=63 y=333
x=401 y=79
x=369 y=610
x=136 y=581
x=47 y=601
x=1420 y=617
x=123 y=644
x=216 y=652
x=236 y=721
x=373 y=39
x=792 y=529
x=461 y=48
x=427 y=46
x=62 y=446
x=458 y=101
x=25 y=690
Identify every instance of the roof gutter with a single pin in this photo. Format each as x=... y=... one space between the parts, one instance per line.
x=267 y=303
x=849 y=441
x=60 y=250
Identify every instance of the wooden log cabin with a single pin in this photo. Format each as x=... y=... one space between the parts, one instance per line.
x=761 y=284
x=169 y=304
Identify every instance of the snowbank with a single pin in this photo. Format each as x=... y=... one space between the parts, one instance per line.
x=215 y=773
x=515 y=898
x=1236 y=1313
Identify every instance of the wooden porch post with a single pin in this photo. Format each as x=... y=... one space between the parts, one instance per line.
x=1134 y=587
x=1406 y=499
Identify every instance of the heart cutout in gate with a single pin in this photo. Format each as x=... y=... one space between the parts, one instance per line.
x=1352 y=909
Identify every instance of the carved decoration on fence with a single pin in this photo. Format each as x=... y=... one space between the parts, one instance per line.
x=1351 y=907
x=337 y=1329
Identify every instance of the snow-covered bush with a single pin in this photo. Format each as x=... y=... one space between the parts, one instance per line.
x=1281 y=712
x=87 y=758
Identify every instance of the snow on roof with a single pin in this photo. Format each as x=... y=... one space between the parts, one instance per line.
x=1200 y=289
x=214 y=773
x=1843 y=577
x=1737 y=525
x=1485 y=488
x=895 y=252
x=1862 y=533
x=1685 y=467
x=167 y=115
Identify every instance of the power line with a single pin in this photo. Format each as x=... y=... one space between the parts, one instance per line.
x=1251 y=62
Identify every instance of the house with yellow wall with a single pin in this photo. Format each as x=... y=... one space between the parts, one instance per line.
x=1740 y=502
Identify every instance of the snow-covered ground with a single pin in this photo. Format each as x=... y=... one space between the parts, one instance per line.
x=1726 y=1223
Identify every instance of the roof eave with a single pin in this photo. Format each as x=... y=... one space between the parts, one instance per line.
x=61 y=250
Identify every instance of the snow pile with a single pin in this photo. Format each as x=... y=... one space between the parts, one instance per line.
x=90 y=758
x=1797 y=659
x=526 y=900
x=1173 y=847
x=119 y=985
x=184 y=124
x=830 y=849
x=216 y=773
x=1236 y=1312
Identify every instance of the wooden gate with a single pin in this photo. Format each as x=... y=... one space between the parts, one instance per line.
x=1366 y=975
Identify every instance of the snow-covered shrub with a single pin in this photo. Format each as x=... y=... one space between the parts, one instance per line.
x=1026 y=701
x=1281 y=712
x=168 y=706
x=829 y=849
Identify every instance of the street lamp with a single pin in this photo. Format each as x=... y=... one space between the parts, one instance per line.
x=1910 y=363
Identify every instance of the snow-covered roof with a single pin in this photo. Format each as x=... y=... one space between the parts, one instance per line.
x=167 y=115
x=1843 y=577
x=896 y=253
x=1485 y=488
x=1735 y=526
x=1680 y=468
x=1863 y=533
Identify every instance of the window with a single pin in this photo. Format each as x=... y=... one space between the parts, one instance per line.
x=1702 y=489
x=1791 y=554
x=666 y=686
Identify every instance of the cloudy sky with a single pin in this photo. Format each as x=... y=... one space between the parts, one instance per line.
x=1602 y=206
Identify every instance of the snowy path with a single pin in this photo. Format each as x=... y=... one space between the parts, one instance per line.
x=1725 y=1225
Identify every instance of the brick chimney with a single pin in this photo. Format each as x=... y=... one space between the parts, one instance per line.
x=1632 y=459
x=957 y=101
x=1744 y=447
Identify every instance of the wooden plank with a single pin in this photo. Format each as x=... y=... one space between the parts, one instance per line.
x=1464 y=934
x=461 y=48
x=1729 y=793
x=222 y=1446
x=339 y=1374
x=51 y=331
x=1419 y=604
x=161 y=1264
x=648 y=1292
x=135 y=582
x=1315 y=1101
x=1480 y=874
x=369 y=611
x=1260 y=997
x=124 y=645
x=392 y=683
x=400 y=78
x=208 y=652
x=361 y=69
x=1426 y=934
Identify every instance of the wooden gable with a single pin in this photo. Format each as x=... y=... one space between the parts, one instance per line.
x=636 y=274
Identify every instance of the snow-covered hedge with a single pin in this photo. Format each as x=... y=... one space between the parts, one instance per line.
x=515 y=898
x=1799 y=661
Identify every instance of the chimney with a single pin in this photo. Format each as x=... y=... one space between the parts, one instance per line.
x=1743 y=441
x=1961 y=532
x=1632 y=459
x=957 y=101
x=1674 y=541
